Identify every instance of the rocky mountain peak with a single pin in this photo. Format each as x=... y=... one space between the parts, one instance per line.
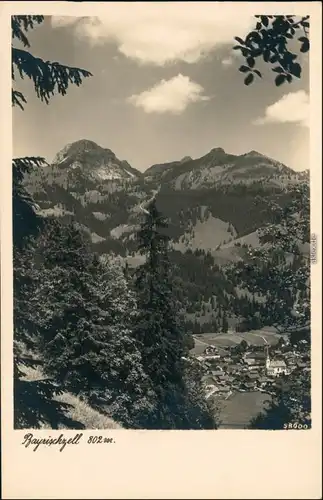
x=80 y=148
x=87 y=159
x=185 y=159
x=85 y=145
x=217 y=150
x=253 y=153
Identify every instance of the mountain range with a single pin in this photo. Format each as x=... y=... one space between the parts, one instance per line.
x=209 y=201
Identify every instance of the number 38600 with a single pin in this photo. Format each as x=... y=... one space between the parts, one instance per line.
x=295 y=425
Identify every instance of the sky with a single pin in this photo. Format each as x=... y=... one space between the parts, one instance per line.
x=166 y=84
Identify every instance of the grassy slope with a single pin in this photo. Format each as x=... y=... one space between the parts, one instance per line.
x=78 y=411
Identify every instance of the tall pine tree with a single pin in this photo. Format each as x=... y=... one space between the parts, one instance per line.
x=161 y=335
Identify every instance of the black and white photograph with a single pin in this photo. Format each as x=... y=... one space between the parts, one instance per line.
x=162 y=247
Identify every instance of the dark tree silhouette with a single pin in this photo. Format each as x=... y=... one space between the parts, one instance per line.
x=270 y=40
x=176 y=380
x=26 y=222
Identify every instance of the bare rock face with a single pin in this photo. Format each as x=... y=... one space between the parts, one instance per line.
x=97 y=162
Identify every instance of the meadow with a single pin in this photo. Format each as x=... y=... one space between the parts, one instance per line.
x=226 y=340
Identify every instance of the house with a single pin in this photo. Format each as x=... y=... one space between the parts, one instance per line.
x=210 y=386
x=211 y=349
x=247 y=385
x=221 y=366
x=255 y=368
x=255 y=357
x=224 y=389
x=220 y=383
x=209 y=357
x=211 y=392
x=208 y=380
x=254 y=364
x=262 y=381
x=275 y=367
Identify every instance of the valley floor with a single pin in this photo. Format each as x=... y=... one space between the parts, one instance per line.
x=237 y=411
x=242 y=385
x=265 y=336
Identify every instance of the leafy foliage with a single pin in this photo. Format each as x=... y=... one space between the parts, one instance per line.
x=269 y=40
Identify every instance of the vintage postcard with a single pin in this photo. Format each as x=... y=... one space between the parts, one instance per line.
x=161 y=249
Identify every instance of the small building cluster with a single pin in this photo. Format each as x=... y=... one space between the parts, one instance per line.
x=228 y=370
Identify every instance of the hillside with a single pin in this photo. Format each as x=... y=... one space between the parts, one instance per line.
x=68 y=411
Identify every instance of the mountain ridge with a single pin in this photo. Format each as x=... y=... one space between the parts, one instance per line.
x=215 y=192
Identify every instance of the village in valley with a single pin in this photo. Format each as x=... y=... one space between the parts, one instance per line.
x=246 y=367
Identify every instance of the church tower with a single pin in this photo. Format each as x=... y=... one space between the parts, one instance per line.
x=267 y=358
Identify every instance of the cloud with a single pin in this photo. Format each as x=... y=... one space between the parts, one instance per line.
x=227 y=62
x=291 y=108
x=161 y=32
x=169 y=96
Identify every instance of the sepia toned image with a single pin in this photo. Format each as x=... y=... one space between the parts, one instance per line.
x=161 y=220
